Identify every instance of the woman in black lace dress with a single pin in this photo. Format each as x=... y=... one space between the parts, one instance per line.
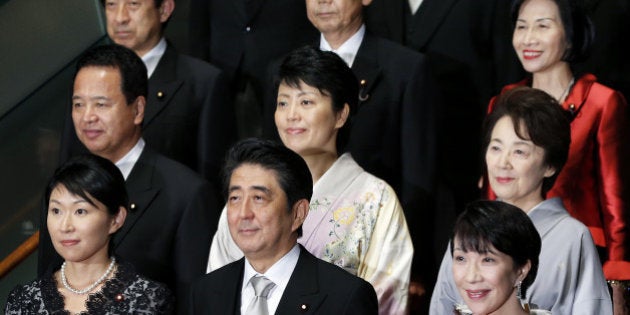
x=87 y=203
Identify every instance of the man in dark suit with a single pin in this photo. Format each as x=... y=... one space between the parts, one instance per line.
x=188 y=116
x=269 y=187
x=172 y=211
x=468 y=48
x=241 y=37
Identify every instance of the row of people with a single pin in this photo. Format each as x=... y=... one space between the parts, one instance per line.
x=395 y=133
x=124 y=17
x=78 y=107
x=299 y=105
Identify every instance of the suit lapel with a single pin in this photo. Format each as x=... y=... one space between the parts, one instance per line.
x=301 y=295
x=253 y=7
x=429 y=17
x=141 y=192
x=163 y=85
x=230 y=290
x=366 y=67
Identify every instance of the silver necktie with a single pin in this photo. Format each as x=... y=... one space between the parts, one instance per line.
x=262 y=287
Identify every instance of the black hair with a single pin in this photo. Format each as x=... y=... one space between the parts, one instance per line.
x=291 y=170
x=543 y=120
x=485 y=224
x=578 y=28
x=327 y=72
x=92 y=178
x=133 y=72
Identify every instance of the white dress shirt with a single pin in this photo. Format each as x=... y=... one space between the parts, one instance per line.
x=279 y=274
x=152 y=58
x=126 y=164
x=348 y=50
x=414 y=5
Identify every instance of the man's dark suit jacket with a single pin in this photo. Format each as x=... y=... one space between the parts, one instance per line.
x=242 y=36
x=321 y=287
x=468 y=49
x=188 y=116
x=172 y=217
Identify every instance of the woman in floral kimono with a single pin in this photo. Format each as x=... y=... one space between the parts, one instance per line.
x=355 y=219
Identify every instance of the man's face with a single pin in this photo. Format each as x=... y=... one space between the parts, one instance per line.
x=336 y=16
x=103 y=121
x=259 y=219
x=136 y=24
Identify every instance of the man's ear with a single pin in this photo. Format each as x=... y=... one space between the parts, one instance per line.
x=166 y=9
x=139 y=105
x=300 y=211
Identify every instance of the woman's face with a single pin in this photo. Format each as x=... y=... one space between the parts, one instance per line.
x=79 y=230
x=486 y=281
x=539 y=38
x=516 y=167
x=306 y=121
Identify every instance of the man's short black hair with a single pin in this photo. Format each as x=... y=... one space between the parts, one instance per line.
x=291 y=170
x=133 y=72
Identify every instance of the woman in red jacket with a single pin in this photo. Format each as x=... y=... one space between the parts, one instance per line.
x=549 y=36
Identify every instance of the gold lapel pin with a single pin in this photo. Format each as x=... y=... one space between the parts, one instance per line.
x=363 y=97
x=160 y=94
x=303 y=308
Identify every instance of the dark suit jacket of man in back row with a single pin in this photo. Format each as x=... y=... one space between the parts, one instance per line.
x=170 y=222
x=188 y=116
x=468 y=49
x=315 y=287
x=241 y=37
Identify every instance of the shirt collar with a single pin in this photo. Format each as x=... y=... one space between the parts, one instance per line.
x=279 y=273
x=126 y=164
x=348 y=50
x=152 y=58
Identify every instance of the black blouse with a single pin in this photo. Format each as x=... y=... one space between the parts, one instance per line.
x=125 y=293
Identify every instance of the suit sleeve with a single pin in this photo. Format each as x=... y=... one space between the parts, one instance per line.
x=362 y=301
x=216 y=130
x=199 y=29
x=191 y=244
x=418 y=163
x=387 y=263
x=613 y=172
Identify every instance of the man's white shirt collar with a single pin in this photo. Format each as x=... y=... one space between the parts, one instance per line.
x=414 y=5
x=126 y=164
x=348 y=50
x=152 y=58
x=279 y=274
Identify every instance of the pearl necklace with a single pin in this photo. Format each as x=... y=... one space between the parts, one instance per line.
x=64 y=281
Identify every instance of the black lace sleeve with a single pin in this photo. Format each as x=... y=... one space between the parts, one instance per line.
x=26 y=299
